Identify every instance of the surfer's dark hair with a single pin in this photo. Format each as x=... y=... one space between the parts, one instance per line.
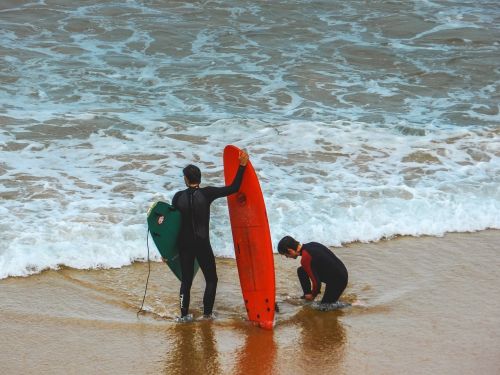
x=286 y=243
x=192 y=173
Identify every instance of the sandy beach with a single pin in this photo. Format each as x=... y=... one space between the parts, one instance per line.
x=425 y=306
x=364 y=120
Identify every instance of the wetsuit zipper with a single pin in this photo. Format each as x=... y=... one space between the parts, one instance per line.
x=191 y=208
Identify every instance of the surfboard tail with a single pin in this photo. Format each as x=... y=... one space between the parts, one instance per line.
x=267 y=324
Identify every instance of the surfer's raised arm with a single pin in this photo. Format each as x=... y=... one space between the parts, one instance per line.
x=213 y=192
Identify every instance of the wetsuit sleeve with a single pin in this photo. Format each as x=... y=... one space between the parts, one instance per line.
x=218 y=192
x=306 y=262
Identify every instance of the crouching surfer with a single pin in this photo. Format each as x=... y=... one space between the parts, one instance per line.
x=318 y=265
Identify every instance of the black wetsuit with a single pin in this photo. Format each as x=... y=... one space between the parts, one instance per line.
x=194 y=240
x=319 y=264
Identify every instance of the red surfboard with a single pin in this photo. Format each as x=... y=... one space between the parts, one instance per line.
x=252 y=242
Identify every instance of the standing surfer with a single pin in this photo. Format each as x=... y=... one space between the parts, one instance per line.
x=194 y=241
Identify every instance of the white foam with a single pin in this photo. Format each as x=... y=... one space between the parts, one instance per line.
x=333 y=168
x=332 y=183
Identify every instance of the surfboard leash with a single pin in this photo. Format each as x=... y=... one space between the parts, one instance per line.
x=149 y=272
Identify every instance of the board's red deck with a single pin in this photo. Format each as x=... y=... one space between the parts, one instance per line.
x=252 y=242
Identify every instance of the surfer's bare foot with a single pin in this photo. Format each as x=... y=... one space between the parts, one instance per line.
x=330 y=306
x=210 y=316
x=184 y=319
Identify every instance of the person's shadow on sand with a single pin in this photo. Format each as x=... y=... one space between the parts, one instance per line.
x=310 y=340
x=258 y=354
x=194 y=350
x=321 y=343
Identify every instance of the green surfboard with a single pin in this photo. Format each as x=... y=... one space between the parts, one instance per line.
x=164 y=224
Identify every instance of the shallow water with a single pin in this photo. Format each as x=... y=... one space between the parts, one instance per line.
x=421 y=306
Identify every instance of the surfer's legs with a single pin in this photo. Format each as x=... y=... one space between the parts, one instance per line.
x=305 y=283
x=187 y=267
x=333 y=291
x=206 y=260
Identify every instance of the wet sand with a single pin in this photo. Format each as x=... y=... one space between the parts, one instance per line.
x=426 y=306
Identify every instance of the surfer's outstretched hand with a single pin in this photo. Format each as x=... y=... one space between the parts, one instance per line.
x=308 y=297
x=243 y=158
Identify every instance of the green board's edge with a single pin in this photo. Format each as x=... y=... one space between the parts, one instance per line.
x=172 y=261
